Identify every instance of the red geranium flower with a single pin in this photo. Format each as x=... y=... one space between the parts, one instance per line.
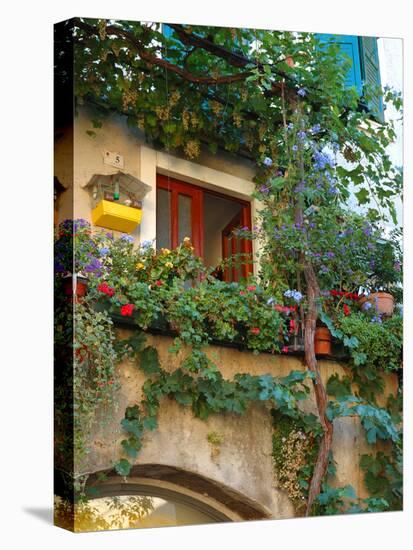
x=292 y=325
x=106 y=289
x=255 y=330
x=251 y=288
x=159 y=282
x=242 y=293
x=127 y=310
x=346 y=309
x=284 y=349
x=279 y=308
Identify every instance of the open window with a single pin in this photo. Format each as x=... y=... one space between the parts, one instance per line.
x=210 y=220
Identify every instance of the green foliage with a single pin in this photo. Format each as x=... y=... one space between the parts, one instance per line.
x=376 y=421
x=384 y=478
x=123 y=467
x=337 y=387
x=334 y=500
x=379 y=344
x=149 y=361
x=374 y=345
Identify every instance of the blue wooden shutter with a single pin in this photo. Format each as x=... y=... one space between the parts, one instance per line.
x=349 y=46
x=370 y=72
x=167 y=30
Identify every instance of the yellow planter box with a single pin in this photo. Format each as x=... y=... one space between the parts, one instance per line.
x=119 y=217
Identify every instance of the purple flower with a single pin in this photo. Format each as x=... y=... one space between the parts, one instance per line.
x=264 y=189
x=333 y=190
x=323 y=269
x=109 y=235
x=376 y=319
x=301 y=134
x=295 y=147
x=301 y=92
x=267 y=162
x=366 y=306
x=367 y=230
x=322 y=160
x=103 y=251
x=294 y=294
x=94 y=267
x=315 y=129
x=127 y=238
x=397 y=266
x=330 y=254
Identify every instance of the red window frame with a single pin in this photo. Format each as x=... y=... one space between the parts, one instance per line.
x=243 y=219
x=176 y=188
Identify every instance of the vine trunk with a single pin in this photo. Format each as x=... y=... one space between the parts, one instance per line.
x=321 y=464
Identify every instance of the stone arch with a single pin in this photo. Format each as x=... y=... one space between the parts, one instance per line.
x=220 y=502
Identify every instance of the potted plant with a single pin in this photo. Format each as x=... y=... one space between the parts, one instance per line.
x=322 y=341
x=76 y=257
x=384 y=282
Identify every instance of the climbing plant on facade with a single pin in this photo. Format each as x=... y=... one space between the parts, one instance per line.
x=279 y=99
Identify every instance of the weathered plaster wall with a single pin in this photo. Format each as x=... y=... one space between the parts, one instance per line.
x=244 y=462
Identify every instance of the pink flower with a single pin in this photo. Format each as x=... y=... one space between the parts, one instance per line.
x=159 y=282
x=284 y=349
x=242 y=292
x=251 y=288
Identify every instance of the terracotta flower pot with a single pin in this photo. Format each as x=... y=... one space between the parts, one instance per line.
x=322 y=341
x=75 y=286
x=382 y=301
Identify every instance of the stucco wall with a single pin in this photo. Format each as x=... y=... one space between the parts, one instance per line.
x=244 y=463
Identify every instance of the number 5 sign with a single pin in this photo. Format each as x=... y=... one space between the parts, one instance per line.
x=113 y=159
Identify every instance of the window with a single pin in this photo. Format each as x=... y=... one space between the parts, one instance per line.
x=363 y=52
x=210 y=220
